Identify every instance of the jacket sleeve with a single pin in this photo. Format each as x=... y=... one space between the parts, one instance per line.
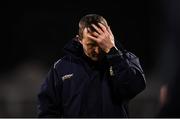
x=49 y=97
x=126 y=75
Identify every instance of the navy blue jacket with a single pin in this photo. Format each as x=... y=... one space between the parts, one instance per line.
x=78 y=87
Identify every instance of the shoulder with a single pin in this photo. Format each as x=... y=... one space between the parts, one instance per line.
x=62 y=66
x=68 y=66
x=130 y=55
x=66 y=62
x=62 y=61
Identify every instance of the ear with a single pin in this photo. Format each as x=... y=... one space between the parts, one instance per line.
x=78 y=39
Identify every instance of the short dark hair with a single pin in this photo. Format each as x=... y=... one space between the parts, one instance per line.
x=89 y=19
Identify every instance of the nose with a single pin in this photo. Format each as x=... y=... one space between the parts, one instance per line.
x=97 y=50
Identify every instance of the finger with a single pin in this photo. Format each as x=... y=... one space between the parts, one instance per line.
x=92 y=37
x=103 y=27
x=86 y=30
x=95 y=34
x=109 y=30
x=97 y=29
x=89 y=30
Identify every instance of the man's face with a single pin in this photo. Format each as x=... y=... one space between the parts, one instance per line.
x=90 y=47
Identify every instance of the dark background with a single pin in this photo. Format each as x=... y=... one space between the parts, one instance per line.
x=33 y=34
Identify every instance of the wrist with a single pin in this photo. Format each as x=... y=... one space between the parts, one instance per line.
x=108 y=49
x=114 y=56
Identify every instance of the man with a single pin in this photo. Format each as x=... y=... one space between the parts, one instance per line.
x=96 y=77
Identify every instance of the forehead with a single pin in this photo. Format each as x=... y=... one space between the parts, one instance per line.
x=85 y=32
x=87 y=40
x=85 y=36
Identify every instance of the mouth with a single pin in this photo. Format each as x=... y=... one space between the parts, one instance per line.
x=95 y=55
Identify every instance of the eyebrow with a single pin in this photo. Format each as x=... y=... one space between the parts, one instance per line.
x=91 y=43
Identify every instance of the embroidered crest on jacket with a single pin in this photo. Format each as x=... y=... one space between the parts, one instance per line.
x=67 y=76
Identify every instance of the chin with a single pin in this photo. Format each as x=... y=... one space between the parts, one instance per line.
x=94 y=58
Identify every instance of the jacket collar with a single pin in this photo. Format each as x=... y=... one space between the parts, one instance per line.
x=73 y=48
